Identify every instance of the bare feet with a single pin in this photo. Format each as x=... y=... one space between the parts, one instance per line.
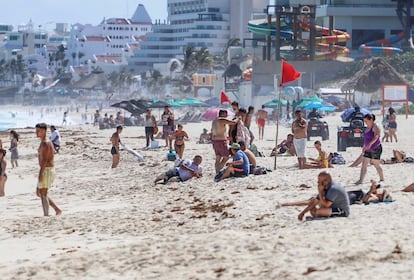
x=58 y=212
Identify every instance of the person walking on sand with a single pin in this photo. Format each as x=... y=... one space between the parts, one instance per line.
x=115 y=140
x=261 y=119
x=14 y=156
x=300 y=131
x=332 y=200
x=3 y=176
x=179 y=136
x=64 y=121
x=219 y=139
x=372 y=149
x=150 y=124
x=47 y=170
x=167 y=119
x=392 y=124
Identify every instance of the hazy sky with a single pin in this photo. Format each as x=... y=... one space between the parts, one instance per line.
x=48 y=12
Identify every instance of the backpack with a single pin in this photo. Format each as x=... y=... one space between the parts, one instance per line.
x=336 y=158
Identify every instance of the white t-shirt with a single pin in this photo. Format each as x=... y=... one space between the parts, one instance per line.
x=186 y=174
x=53 y=136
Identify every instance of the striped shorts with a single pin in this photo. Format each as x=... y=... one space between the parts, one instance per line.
x=47 y=179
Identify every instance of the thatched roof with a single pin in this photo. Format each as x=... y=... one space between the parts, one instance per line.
x=96 y=80
x=232 y=71
x=375 y=72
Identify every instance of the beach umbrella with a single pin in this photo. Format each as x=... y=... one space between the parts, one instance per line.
x=321 y=106
x=158 y=104
x=214 y=101
x=345 y=116
x=212 y=113
x=192 y=102
x=307 y=100
x=128 y=106
x=273 y=103
x=174 y=103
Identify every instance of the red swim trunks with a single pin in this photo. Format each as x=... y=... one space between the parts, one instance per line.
x=220 y=148
x=261 y=122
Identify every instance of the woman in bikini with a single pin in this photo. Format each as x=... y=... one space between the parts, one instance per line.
x=321 y=161
x=3 y=176
x=179 y=135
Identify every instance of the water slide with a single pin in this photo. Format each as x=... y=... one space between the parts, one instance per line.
x=325 y=44
x=382 y=47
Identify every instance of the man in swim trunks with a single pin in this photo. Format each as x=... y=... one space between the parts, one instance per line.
x=300 y=133
x=219 y=139
x=332 y=200
x=261 y=118
x=115 y=139
x=47 y=170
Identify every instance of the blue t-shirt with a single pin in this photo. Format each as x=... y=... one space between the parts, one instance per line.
x=246 y=164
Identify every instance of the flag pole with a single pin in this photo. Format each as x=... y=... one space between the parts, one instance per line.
x=278 y=109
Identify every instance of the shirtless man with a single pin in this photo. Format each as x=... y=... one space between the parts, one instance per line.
x=115 y=139
x=219 y=139
x=261 y=119
x=299 y=131
x=47 y=169
x=248 y=121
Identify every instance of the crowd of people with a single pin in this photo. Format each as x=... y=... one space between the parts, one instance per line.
x=231 y=140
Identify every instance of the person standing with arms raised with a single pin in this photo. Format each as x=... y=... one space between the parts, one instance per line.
x=300 y=134
x=47 y=170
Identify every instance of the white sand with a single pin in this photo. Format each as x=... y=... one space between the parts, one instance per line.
x=117 y=225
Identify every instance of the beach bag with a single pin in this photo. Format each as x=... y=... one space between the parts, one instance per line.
x=337 y=158
x=171 y=155
x=409 y=160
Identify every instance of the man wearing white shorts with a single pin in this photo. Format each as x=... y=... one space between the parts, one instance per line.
x=300 y=130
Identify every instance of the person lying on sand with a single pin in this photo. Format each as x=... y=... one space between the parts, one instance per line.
x=398 y=157
x=409 y=188
x=185 y=171
x=332 y=200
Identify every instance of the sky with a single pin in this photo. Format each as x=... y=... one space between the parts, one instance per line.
x=48 y=12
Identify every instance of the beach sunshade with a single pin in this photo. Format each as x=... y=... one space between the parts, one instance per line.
x=321 y=106
x=307 y=100
x=174 y=103
x=273 y=103
x=128 y=106
x=158 y=104
x=212 y=113
x=345 y=116
x=192 y=102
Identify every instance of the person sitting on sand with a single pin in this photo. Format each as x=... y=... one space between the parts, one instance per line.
x=185 y=171
x=205 y=137
x=250 y=156
x=286 y=147
x=239 y=167
x=179 y=136
x=332 y=200
x=322 y=161
x=399 y=157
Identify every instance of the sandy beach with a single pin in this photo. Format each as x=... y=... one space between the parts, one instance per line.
x=116 y=224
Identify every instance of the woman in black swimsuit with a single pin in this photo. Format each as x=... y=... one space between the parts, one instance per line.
x=179 y=136
x=3 y=176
